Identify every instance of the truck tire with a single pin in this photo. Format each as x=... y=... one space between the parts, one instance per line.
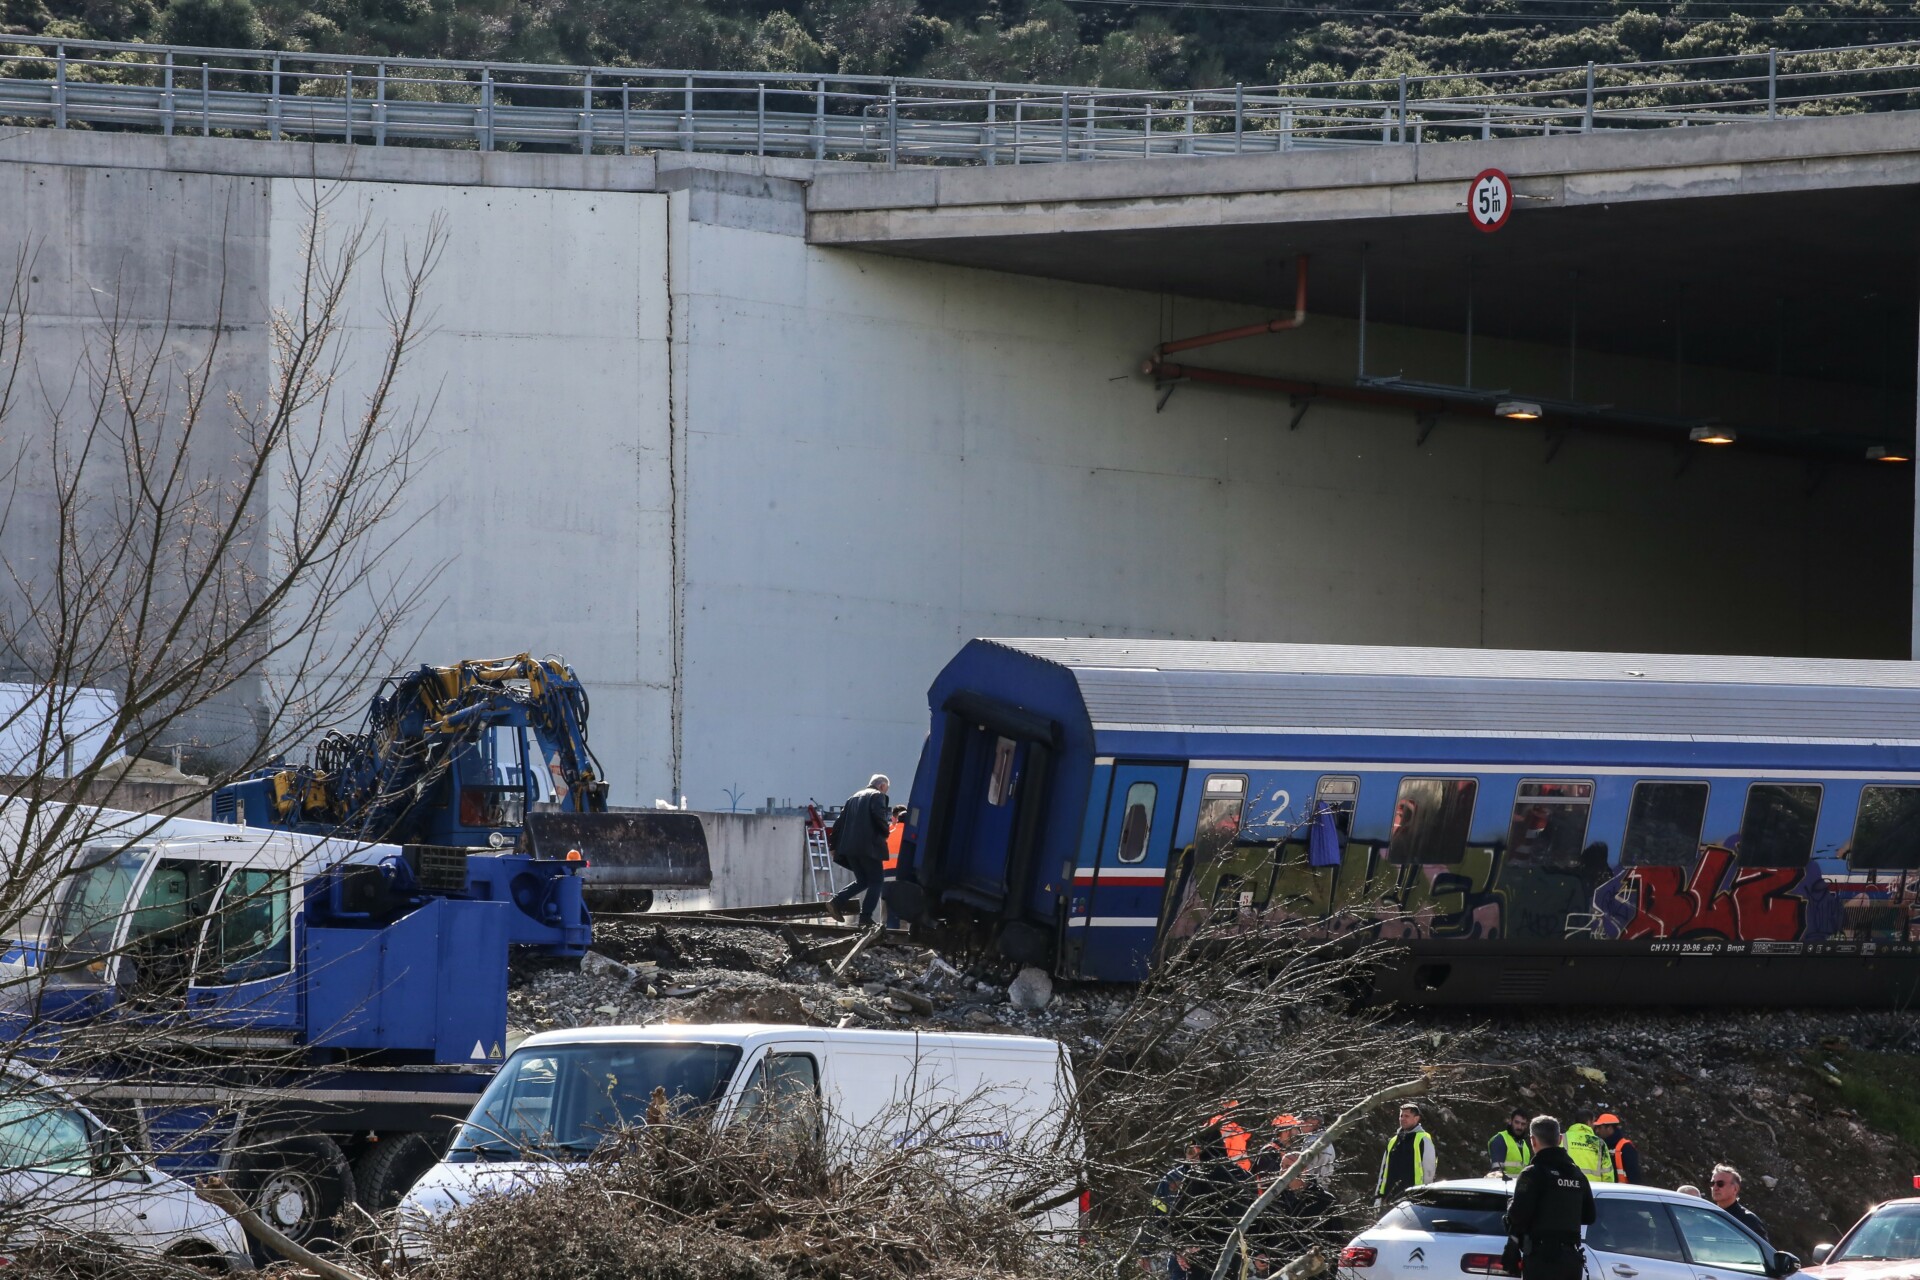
x=297 y=1182
x=389 y=1168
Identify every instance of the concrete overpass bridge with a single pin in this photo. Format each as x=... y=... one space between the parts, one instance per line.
x=806 y=382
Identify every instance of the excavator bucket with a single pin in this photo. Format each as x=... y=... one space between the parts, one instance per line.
x=638 y=849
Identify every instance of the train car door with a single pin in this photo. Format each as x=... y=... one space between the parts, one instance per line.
x=1129 y=876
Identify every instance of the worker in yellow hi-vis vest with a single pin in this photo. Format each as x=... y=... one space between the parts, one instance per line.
x=1507 y=1150
x=1588 y=1152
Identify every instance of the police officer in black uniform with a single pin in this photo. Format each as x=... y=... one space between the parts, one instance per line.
x=1551 y=1202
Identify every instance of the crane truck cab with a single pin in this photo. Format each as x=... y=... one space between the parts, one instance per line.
x=327 y=1005
x=1002 y=1104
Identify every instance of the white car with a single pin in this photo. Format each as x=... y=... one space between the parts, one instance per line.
x=1445 y=1229
x=62 y=1170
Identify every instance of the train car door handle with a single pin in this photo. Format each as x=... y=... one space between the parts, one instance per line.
x=1622 y=1269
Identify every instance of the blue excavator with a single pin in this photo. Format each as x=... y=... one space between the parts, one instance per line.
x=488 y=754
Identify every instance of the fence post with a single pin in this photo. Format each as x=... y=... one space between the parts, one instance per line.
x=1773 y=84
x=166 y=127
x=1093 y=132
x=893 y=124
x=1146 y=147
x=820 y=120
x=1019 y=110
x=586 y=114
x=1286 y=127
x=60 y=86
x=760 y=122
x=1189 y=143
x=686 y=134
x=1586 y=125
x=349 y=104
x=273 y=105
x=626 y=119
x=990 y=138
x=380 y=104
x=1066 y=126
x=1403 y=109
x=206 y=110
x=486 y=108
x=1239 y=117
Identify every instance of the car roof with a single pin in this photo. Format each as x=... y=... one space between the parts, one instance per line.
x=1504 y=1186
x=750 y=1034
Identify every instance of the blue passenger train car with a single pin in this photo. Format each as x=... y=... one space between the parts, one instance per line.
x=1564 y=827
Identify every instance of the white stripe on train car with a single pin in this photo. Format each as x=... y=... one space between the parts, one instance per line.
x=1114 y=922
x=1337 y=731
x=1436 y=769
x=1143 y=875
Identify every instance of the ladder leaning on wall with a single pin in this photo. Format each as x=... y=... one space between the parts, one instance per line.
x=819 y=857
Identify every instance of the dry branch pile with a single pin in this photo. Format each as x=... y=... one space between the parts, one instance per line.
x=684 y=1201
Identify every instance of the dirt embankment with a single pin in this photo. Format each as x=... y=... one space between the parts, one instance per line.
x=1820 y=1111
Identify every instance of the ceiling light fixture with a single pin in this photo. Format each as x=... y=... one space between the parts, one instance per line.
x=1712 y=435
x=1518 y=410
x=1880 y=453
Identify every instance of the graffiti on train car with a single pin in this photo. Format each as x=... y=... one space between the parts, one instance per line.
x=1490 y=895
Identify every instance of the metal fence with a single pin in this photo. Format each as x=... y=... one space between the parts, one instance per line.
x=495 y=106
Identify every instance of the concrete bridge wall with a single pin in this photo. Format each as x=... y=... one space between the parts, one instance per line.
x=758 y=491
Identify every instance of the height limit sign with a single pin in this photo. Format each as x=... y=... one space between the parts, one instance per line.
x=1490 y=200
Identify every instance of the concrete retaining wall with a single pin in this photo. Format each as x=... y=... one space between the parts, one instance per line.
x=758 y=492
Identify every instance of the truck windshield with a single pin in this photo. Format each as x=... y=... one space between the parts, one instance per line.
x=560 y=1102
x=1890 y=1235
x=90 y=914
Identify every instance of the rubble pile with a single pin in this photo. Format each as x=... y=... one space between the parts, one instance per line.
x=655 y=971
x=1763 y=1090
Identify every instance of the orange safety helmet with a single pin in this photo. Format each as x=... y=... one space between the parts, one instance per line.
x=1606 y=1117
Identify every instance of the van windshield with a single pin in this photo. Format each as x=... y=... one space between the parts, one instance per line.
x=561 y=1101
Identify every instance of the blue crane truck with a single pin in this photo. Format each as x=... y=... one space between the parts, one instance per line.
x=313 y=987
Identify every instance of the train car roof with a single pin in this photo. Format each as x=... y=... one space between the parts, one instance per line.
x=1218 y=687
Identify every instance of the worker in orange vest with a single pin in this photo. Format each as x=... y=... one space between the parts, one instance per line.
x=1626 y=1156
x=895 y=834
x=1233 y=1135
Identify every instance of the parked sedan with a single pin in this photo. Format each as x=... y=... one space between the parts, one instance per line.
x=1884 y=1245
x=62 y=1170
x=1639 y=1233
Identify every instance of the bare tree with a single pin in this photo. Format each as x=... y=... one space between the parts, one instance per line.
x=194 y=555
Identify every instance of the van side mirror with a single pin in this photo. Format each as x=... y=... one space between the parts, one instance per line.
x=1821 y=1252
x=1784 y=1264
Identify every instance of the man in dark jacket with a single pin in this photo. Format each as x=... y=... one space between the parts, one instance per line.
x=1551 y=1203
x=1724 y=1188
x=860 y=845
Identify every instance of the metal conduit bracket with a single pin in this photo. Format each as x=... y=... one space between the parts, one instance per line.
x=1300 y=406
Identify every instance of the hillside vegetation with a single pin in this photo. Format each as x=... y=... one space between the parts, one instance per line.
x=1145 y=44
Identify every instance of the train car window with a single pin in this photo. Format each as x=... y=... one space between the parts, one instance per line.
x=1886 y=834
x=1339 y=792
x=1000 y=785
x=1549 y=826
x=1137 y=821
x=1431 y=818
x=1777 y=830
x=1222 y=803
x=1663 y=824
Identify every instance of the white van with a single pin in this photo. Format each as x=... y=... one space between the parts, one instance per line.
x=560 y=1091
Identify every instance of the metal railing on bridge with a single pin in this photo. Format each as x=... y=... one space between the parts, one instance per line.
x=520 y=106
